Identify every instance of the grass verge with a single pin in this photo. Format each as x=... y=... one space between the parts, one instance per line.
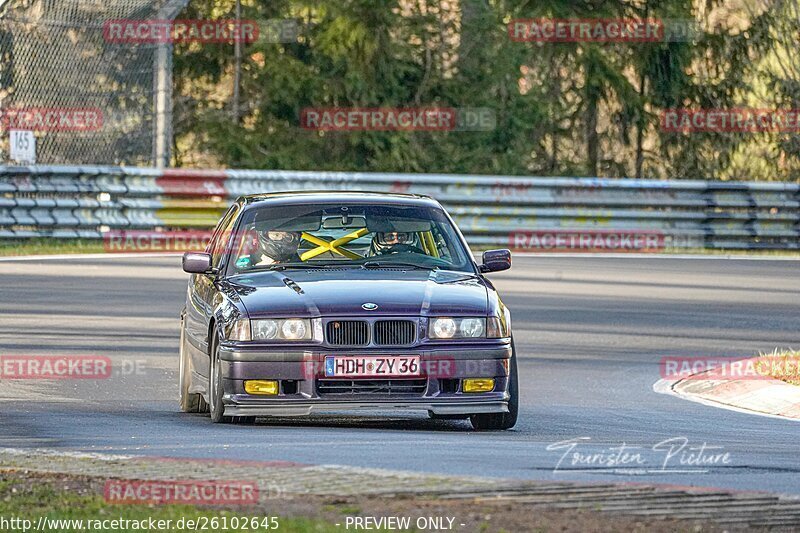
x=68 y=505
x=784 y=365
x=50 y=247
x=30 y=495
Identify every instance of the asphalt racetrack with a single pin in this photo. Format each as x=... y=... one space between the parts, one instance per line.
x=590 y=332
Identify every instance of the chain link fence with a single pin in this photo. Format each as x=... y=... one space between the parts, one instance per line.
x=101 y=102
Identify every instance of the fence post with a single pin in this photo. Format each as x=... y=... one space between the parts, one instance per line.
x=162 y=91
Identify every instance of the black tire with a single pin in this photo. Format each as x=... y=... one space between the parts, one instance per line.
x=215 y=391
x=189 y=402
x=502 y=421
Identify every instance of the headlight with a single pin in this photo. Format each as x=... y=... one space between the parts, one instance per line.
x=265 y=329
x=443 y=328
x=498 y=328
x=472 y=327
x=295 y=329
x=457 y=328
x=238 y=330
x=285 y=329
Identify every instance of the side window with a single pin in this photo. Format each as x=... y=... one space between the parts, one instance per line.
x=219 y=241
x=217 y=228
x=441 y=244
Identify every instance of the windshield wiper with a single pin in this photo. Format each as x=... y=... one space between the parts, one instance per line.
x=286 y=266
x=315 y=266
x=390 y=264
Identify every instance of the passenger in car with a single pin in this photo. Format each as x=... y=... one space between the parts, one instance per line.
x=393 y=242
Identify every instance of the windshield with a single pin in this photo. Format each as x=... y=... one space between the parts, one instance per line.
x=368 y=236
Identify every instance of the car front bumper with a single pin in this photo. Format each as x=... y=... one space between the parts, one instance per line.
x=438 y=391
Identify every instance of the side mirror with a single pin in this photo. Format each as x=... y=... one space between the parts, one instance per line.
x=496 y=260
x=196 y=262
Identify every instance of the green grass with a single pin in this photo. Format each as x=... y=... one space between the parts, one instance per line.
x=32 y=500
x=787 y=367
x=50 y=247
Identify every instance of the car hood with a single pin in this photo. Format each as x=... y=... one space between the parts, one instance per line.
x=342 y=292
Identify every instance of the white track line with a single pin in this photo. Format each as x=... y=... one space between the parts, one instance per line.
x=664 y=386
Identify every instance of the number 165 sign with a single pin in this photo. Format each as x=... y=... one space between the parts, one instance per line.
x=23 y=147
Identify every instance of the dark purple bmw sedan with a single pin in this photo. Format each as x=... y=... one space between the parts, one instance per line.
x=308 y=302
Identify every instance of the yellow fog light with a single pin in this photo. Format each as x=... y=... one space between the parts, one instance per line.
x=478 y=385
x=269 y=388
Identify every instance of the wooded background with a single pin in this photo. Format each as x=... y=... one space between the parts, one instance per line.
x=562 y=109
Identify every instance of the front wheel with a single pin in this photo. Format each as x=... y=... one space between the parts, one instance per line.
x=502 y=421
x=215 y=390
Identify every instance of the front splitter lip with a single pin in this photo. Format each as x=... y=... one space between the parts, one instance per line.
x=297 y=408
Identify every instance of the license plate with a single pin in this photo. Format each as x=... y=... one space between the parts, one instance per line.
x=371 y=366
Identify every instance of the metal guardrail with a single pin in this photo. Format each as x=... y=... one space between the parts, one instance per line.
x=520 y=212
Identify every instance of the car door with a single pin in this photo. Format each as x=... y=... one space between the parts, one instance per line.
x=201 y=293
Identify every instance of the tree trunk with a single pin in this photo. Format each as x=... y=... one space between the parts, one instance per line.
x=641 y=124
x=592 y=143
x=554 y=91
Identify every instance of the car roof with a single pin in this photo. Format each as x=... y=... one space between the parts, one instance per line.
x=335 y=197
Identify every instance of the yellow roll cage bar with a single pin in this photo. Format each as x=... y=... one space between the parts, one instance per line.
x=336 y=246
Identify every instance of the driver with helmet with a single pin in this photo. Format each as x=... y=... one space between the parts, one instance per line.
x=393 y=242
x=277 y=247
